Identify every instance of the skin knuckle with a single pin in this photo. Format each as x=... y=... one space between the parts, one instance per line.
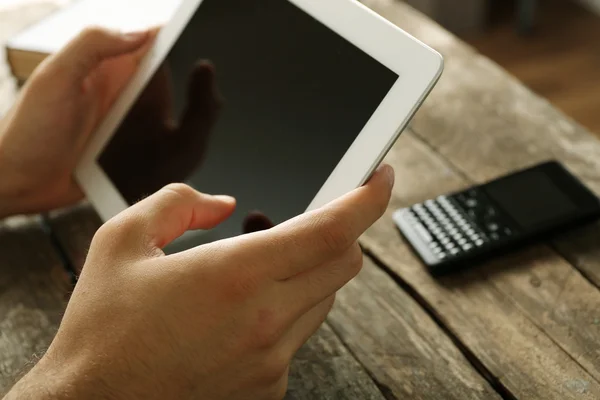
x=115 y=229
x=180 y=190
x=335 y=233
x=93 y=34
x=240 y=285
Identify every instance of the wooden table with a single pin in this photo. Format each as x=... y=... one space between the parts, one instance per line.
x=526 y=326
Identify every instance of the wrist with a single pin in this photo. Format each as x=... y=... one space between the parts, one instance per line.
x=47 y=381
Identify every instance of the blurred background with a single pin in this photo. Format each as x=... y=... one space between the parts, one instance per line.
x=552 y=46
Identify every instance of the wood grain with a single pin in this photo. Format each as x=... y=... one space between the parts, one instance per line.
x=401 y=346
x=486 y=308
x=325 y=369
x=33 y=288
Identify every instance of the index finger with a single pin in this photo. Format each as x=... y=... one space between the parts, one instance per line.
x=319 y=236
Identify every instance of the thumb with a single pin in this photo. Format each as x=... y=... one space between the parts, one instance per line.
x=94 y=45
x=161 y=218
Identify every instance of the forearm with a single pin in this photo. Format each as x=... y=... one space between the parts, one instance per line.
x=44 y=383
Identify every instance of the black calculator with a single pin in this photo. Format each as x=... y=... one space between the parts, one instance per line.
x=460 y=229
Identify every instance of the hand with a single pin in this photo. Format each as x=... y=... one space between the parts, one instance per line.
x=220 y=321
x=44 y=134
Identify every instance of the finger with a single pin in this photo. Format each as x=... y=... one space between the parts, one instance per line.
x=110 y=78
x=256 y=222
x=161 y=218
x=324 y=234
x=311 y=287
x=306 y=326
x=94 y=45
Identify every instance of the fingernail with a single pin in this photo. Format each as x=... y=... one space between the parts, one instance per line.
x=135 y=36
x=390 y=174
x=225 y=198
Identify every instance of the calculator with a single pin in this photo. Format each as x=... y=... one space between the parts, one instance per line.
x=460 y=229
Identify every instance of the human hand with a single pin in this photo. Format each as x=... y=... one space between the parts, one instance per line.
x=220 y=321
x=44 y=134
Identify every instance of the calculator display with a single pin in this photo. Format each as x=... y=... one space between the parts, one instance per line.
x=531 y=199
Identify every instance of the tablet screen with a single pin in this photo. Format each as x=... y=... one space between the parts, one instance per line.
x=257 y=100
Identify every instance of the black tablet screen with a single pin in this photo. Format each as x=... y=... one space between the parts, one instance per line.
x=257 y=100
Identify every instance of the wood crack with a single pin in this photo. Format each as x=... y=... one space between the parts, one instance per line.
x=494 y=381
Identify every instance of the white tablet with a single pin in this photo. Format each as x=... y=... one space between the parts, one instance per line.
x=283 y=104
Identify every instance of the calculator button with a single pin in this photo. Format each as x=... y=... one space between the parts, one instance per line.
x=479 y=242
x=450 y=246
x=454 y=252
x=471 y=203
x=494 y=236
x=420 y=229
x=467 y=247
x=490 y=212
x=507 y=231
x=462 y=241
x=493 y=227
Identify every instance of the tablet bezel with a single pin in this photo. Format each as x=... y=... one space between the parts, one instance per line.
x=418 y=66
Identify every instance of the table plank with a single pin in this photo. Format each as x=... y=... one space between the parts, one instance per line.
x=486 y=124
x=33 y=287
x=478 y=306
x=401 y=346
x=323 y=369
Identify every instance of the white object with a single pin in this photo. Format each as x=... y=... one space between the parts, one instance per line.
x=52 y=33
x=417 y=66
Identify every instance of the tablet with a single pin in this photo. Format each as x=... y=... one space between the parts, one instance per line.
x=283 y=104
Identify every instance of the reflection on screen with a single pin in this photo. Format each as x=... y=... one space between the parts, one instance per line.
x=256 y=100
x=531 y=199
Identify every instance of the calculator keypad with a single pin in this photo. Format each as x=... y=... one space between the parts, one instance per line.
x=454 y=225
